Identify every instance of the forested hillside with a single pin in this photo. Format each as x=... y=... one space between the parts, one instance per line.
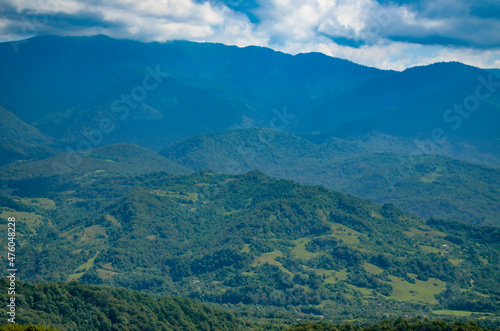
x=380 y=168
x=251 y=241
x=76 y=306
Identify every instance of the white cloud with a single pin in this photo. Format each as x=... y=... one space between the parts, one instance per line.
x=392 y=36
x=48 y=6
x=481 y=59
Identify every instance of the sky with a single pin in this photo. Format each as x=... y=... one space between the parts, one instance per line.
x=388 y=34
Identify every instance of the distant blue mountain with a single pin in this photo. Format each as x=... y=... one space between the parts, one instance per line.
x=64 y=83
x=412 y=104
x=66 y=86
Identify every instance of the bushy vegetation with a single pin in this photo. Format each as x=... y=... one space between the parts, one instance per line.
x=74 y=306
x=390 y=325
x=25 y=327
x=380 y=168
x=263 y=247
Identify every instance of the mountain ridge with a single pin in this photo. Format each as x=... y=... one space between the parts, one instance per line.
x=206 y=87
x=369 y=167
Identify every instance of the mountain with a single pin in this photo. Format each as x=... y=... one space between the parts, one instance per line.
x=495 y=72
x=378 y=167
x=238 y=151
x=154 y=95
x=173 y=111
x=157 y=94
x=87 y=166
x=84 y=117
x=412 y=104
x=13 y=128
x=191 y=87
x=21 y=141
x=256 y=245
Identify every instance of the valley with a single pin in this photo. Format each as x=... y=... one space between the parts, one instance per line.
x=198 y=186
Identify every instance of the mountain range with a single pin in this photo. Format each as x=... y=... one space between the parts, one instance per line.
x=377 y=167
x=272 y=185
x=199 y=95
x=197 y=88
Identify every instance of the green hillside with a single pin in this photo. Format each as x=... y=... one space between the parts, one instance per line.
x=13 y=128
x=74 y=306
x=264 y=247
x=12 y=151
x=239 y=151
x=380 y=168
x=86 y=166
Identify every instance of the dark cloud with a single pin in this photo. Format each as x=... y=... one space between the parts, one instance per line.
x=247 y=7
x=456 y=23
x=345 y=41
x=473 y=33
x=29 y=24
x=431 y=40
x=486 y=9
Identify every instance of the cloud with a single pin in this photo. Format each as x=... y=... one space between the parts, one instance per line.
x=149 y=20
x=384 y=33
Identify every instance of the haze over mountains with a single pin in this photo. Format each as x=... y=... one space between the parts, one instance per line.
x=209 y=87
x=377 y=167
x=201 y=153
x=198 y=88
x=68 y=94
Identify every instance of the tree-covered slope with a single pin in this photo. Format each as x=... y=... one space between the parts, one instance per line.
x=13 y=128
x=75 y=306
x=174 y=89
x=413 y=324
x=12 y=151
x=239 y=151
x=21 y=141
x=252 y=241
x=429 y=186
x=86 y=166
x=25 y=327
x=381 y=168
